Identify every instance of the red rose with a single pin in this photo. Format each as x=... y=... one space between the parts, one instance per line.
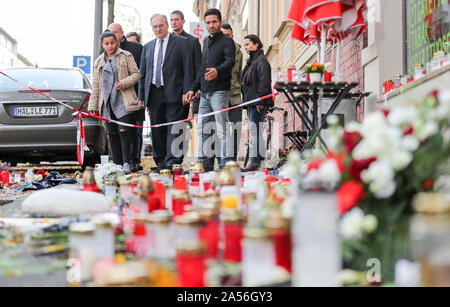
x=315 y=164
x=385 y=112
x=349 y=195
x=41 y=172
x=351 y=140
x=357 y=166
x=408 y=131
x=428 y=185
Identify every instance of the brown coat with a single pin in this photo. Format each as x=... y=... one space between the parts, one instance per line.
x=128 y=74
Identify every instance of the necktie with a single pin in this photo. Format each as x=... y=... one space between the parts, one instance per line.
x=159 y=62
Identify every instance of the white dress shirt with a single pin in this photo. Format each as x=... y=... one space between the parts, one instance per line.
x=155 y=58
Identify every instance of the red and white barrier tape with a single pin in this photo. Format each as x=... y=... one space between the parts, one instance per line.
x=81 y=137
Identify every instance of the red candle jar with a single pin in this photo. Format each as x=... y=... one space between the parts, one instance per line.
x=388 y=86
x=180 y=183
x=281 y=236
x=180 y=200
x=153 y=202
x=233 y=229
x=5 y=177
x=91 y=188
x=283 y=248
x=160 y=192
x=209 y=234
x=327 y=76
x=195 y=178
x=191 y=265
x=177 y=170
x=291 y=74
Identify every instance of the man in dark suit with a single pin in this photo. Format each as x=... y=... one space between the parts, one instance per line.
x=166 y=75
x=136 y=50
x=177 y=22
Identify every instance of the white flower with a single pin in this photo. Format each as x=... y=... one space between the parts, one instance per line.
x=373 y=122
x=444 y=104
x=410 y=143
x=380 y=176
x=383 y=190
x=329 y=172
x=293 y=165
x=333 y=120
x=351 y=224
x=429 y=129
x=402 y=115
x=378 y=144
x=369 y=224
x=353 y=127
x=401 y=159
x=287 y=209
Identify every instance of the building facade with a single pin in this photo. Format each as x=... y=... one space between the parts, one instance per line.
x=400 y=34
x=9 y=57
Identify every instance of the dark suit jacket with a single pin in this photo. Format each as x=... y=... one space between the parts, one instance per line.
x=196 y=52
x=136 y=50
x=177 y=69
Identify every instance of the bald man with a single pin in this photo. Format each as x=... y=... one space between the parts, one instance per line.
x=136 y=51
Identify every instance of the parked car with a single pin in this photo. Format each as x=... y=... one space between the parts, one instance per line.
x=34 y=128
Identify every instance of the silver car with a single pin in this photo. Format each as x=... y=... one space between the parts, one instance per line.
x=34 y=128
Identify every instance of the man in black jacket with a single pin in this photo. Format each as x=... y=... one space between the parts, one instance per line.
x=177 y=22
x=136 y=50
x=166 y=74
x=214 y=81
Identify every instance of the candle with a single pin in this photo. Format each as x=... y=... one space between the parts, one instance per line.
x=82 y=246
x=191 y=265
x=233 y=230
x=104 y=238
x=317 y=256
x=160 y=236
x=258 y=258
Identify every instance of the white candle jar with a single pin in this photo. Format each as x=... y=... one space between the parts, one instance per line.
x=82 y=246
x=258 y=258
x=317 y=258
x=104 y=237
x=160 y=236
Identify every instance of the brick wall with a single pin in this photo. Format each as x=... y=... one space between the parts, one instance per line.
x=352 y=71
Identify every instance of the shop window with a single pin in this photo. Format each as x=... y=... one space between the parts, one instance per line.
x=427 y=30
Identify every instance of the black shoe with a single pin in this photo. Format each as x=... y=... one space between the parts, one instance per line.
x=159 y=169
x=133 y=167
x=251 y=168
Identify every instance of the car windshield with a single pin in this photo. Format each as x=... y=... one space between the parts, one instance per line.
x=41 y=79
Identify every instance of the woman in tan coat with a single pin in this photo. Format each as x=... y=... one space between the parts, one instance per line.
x=114 y=97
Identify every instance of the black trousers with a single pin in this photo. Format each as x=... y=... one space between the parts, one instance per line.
x=168 y=142
x=123 y=139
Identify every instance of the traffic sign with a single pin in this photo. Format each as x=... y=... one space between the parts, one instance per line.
x=83 y=62
x=198 y=29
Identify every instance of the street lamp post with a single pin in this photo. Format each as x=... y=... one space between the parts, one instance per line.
x=98 y=27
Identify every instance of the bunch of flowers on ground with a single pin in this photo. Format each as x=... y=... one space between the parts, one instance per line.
x=377 y=167
x=109 y=173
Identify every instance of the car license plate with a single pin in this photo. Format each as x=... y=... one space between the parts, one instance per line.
x=35 y=111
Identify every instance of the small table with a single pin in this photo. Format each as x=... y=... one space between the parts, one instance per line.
x=299 y=95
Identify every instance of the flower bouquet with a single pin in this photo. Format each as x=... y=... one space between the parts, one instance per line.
x=109 y=173
x=383 y=163
x=315 y=71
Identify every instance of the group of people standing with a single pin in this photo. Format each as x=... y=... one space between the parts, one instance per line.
x=166 y=76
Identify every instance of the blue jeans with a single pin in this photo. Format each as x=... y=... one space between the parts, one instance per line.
x=257 y=142
x=208 y=140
